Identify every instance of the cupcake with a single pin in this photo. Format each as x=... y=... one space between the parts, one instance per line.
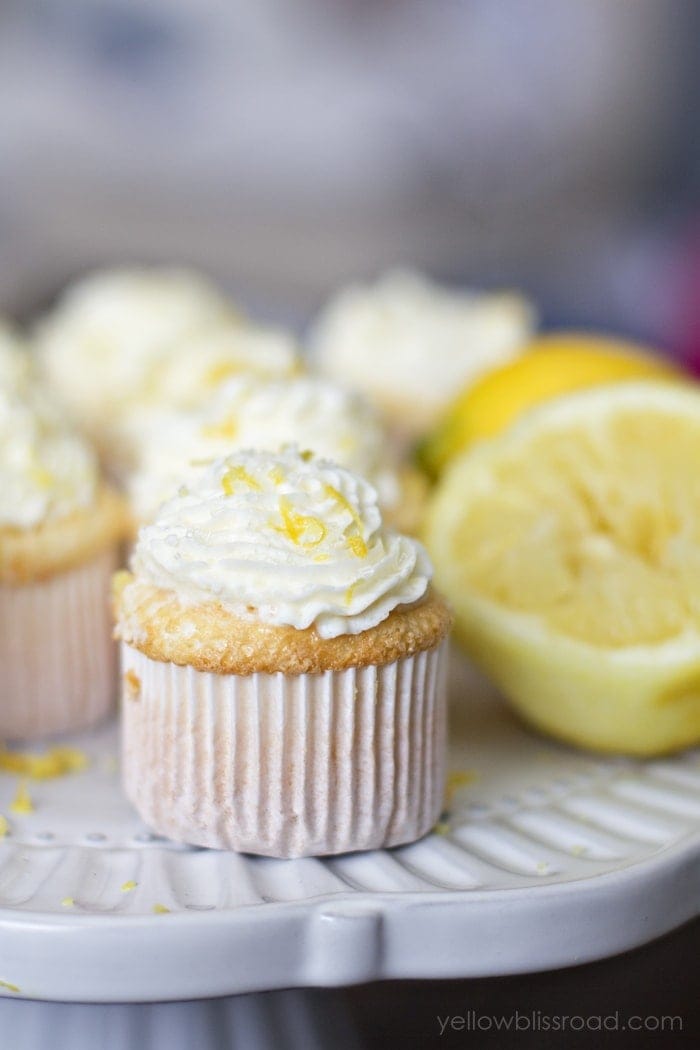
x=124 y=341
x=253 y=413
x=410 y=345
x=59 y=536
x=283 y=662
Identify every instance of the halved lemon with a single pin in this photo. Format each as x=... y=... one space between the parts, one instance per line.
x=552 y=365
x=570 y=549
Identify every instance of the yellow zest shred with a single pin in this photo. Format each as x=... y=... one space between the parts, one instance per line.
x=459 y=779
x=56 y=762
x=22 y=802
x=128 y=886
x=238 y=474
x=160 y=909
x=4 y=826
x=67 y=902
x=303 y=530
x=226 y=429
x=356 y=544
x=132 y=684
x=307 y=455
x=276 y=475
x=221 y=370
x=8 y=984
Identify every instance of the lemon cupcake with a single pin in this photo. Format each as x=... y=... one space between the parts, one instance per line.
x=59 y=535
x=411 y=345
x=283 y=665
x=122 y=343
x=249 y=412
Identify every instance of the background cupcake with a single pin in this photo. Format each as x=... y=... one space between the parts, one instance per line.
x=59 y=535
x=248 y=412
x=122 y=343
x=282 y=661
x=411 y=345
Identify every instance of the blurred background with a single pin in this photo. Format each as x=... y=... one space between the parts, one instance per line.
x=287 y=146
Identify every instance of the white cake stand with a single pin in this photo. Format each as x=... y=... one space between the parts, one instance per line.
x=547 y=857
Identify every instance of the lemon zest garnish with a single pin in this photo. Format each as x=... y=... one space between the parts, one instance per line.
x=303 y=530
x=276 y=475
x=307 y=455
x=356 y=544
x=22 y=802
x=56 y=762
x=4 y=826
x=160 y=909
x=234 y=474
x=128 y=886
x=41 y=476
x=221 y=370
x=321 y=557
x=67 y=902
x=459 y=779
x=10 y=987
x=350 y=594
x=132 y=683
x=227 y=429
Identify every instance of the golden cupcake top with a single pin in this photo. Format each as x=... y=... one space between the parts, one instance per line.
x=46 y=471
x=405 y=340
x=283 y=539
x=248 y=412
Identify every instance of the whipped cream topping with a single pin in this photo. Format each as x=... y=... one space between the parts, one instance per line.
x=252 y=413
x=283 y=539
x=406 y=339
x=102 y=342
x=46 y=472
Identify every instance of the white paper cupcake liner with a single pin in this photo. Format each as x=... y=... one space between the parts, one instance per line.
x=286 y=765
x=57 y=657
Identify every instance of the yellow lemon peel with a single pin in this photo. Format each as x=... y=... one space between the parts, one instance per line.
x=56 y=762
x=4 y=826
x=22 y=802
x=226 y=429
x=10 y=987
x=160 y=909
x=128 y=886
x=356 y=544
x=238 y=474
x=301 y=529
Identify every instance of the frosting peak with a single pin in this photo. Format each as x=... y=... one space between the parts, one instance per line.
x=46 y=471
x=250 y=412
x=286 y=539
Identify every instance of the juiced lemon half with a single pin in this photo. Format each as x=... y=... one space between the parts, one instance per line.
x=552 y=365
x=570 y=549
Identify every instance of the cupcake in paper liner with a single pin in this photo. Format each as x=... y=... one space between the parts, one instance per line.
x=60 y=531
x=251 y=412
x=411 y=346
x=283 y=664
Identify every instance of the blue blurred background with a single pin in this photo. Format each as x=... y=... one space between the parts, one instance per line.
x=289 y=145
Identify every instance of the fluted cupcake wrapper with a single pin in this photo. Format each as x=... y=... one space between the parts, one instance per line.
x=286 y=765
x=57 y=655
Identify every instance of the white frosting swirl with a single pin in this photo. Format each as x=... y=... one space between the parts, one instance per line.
x=252 y=413
x=283 y=539
x=46 y=471
x=406 y=340
x=101 y=343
